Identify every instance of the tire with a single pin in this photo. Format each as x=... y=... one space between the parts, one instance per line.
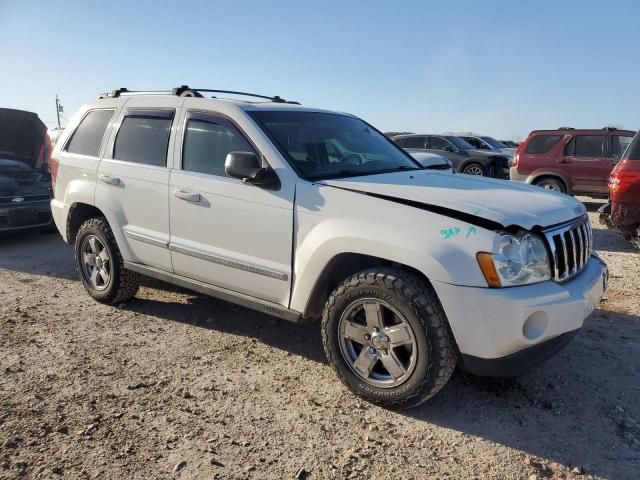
x=475 y=169
x=427 y=362
x=117 y=284
x=551 y=184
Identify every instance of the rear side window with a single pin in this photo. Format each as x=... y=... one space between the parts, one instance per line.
x=87 y=138
x=143 y=137
x=542 y=144
x=633 y=152
x=207 y=141
x=438 y=143
x=619 y=144
x=586 y=146
x=414 y=142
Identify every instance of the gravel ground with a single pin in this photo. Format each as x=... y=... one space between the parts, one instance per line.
x=176 y=385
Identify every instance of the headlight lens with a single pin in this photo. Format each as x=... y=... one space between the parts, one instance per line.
x=518 y=260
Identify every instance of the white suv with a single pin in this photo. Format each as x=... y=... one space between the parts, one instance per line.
x=307 y=214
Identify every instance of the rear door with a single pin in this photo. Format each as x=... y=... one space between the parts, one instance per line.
x=133 y=180
x=223 y=231
x=586 y=164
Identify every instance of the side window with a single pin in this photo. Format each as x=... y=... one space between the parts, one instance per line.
x=619 y=144
x=414 y=142
x=588 y=146
x=144 y=137
x=542 y=144
x=87 y=138
x=438 y=143
x=207 y=141
x=475 y=143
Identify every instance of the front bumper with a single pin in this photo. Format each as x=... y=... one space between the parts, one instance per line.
x=496 y=323
x=24 y=216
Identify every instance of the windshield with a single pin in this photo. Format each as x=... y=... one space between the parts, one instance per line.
x=327 y=145
x=460 y=143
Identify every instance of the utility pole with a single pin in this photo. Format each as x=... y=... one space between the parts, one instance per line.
x=58 y=109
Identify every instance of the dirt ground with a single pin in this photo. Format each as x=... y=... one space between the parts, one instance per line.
x=177 y=385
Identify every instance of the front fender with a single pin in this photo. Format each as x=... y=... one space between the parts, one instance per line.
x=331 y=221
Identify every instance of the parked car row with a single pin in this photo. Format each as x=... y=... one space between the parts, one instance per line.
x=463 y=156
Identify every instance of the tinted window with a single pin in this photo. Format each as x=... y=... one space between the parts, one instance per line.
x=633 y=152
x=619 y=144
x=474 y=142
x=399 y=141
x=588 y=145
x=327 y=145
x=207 y=141
x=144 y=137
x=88 y=136
x=414 y=142
x=438 y=143
x=542 y=143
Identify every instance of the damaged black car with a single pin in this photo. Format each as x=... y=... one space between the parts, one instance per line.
x=25 y=182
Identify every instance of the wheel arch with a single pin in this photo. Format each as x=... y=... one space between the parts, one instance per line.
x=78 y=214
x=340 y=267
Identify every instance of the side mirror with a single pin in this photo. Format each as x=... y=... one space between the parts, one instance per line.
x=247 y=167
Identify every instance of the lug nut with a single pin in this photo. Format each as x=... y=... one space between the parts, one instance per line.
x=372 y=350
x=367 y=336
x=385 y=352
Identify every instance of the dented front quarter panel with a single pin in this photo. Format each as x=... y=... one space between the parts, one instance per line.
x=330 y=221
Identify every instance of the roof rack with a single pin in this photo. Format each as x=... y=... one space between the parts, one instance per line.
x=566 y=128
x=186 y=91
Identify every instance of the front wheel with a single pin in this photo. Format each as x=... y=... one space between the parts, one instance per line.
x=474 y=169
x=387 y=337
x=100 y=264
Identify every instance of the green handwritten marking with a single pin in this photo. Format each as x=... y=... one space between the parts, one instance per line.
x=449 y=232
x=476 y=211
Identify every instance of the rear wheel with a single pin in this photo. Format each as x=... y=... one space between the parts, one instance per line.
x=100 y=264
x=474 y=169
x=387 y=337
x=551 y=184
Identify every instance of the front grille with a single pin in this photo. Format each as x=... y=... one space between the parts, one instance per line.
x=571 y=245
x=25 y=199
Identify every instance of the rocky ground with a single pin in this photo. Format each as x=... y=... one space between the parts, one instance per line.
x=176 y=385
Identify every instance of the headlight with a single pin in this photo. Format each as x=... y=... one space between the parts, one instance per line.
x=516 y=260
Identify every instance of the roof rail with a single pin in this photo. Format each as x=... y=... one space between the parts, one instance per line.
x=186 y=91
x=609 y=129
x=566 y=128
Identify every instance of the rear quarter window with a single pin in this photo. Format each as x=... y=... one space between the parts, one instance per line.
x=87 y=138
x=542 y=144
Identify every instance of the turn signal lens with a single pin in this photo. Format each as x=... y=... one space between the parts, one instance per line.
x=485 y=260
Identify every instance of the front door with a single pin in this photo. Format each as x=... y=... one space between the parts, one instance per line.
x=223 y=231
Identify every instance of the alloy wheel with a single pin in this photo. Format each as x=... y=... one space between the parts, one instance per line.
x=96 y=262
x=377 y=342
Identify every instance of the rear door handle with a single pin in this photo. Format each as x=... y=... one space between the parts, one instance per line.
x=109 y=180
x=188 y=196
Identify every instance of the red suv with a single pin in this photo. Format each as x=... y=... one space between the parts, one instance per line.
x=622 y=213
x=577 y=162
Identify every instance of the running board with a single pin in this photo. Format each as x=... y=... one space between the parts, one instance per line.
x=263 y=306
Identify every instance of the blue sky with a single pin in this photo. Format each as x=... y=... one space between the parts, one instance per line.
x=501 y=68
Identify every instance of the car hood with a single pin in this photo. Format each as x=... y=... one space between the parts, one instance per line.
x=21 y=135
x=429 y=160
x=476 y=198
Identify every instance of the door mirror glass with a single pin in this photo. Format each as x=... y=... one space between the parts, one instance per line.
x=247 y=167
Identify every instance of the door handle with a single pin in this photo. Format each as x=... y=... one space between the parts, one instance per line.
x=188 y=196
x=109 y=180
x=564 y=161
